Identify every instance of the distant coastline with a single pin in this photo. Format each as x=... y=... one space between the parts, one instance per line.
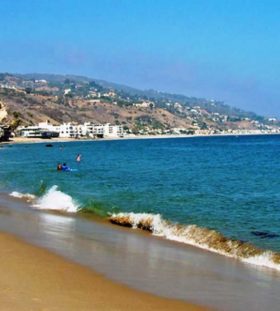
x=24 y=140
x=75 y=106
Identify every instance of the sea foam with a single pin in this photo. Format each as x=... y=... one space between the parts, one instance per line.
x=55 y=199
x=200 y=237
x=26 y=196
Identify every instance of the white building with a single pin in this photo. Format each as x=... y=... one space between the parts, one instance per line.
x=102 y=130
x=145 y=104
x=42 y=130
x=109 y=94
x=73 y=130
x=41 y=81
x=67 y=91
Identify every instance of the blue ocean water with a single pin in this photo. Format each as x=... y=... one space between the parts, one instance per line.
x=229 y=184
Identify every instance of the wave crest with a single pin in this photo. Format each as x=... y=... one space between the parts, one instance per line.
x=200 y=237
x=55 y=199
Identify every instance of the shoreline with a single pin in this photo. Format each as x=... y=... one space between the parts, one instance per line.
x=123 y=222
x=206 y=276
x=24 y=140
x=52 y=282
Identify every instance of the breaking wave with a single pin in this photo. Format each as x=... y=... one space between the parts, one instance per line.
x=200 y=237
x=26 y=196
x=57 y=200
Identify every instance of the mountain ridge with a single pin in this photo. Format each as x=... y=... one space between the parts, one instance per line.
x=126 y=88
x=34 y=97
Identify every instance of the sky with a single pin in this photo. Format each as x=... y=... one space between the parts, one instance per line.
x=226 y=50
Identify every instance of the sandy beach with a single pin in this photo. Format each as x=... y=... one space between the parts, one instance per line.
x=25 y=140
x=33 y=278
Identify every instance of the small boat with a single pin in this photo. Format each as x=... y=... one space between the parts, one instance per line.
x=49 y=145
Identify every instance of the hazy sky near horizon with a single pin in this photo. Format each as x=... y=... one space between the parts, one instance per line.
x=222 y=49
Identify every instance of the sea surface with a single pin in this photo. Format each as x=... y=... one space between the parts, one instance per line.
x=220 y=194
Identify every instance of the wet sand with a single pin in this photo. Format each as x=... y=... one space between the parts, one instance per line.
x=33 y=278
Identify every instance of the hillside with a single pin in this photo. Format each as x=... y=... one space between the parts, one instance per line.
x=32 y=98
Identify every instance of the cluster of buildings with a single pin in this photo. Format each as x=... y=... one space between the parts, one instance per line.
x=71 y=130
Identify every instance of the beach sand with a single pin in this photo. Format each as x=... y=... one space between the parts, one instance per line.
x=33 y=278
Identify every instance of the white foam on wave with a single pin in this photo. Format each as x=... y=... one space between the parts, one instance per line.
x=265 y=260
x=26 y=196
x=55 y=199
x=204 y=238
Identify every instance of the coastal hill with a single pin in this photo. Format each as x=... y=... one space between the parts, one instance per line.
x=31 y=98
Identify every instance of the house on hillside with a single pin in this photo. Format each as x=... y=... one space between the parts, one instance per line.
x=145 y=104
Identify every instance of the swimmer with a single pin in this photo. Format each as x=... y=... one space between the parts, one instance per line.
x=59 y=167
x=78 y=157
x=65 y=167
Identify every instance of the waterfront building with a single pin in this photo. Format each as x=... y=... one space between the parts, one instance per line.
x=72 y=130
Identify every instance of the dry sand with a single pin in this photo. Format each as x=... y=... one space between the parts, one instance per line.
x=33 y=278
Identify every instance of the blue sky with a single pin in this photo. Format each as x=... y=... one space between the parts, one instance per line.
x=223 y=49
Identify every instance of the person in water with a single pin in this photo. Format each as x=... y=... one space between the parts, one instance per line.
x=65 y=167
x=78 y=158
x=59 y=167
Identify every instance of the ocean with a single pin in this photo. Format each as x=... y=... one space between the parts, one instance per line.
x=218 y=194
